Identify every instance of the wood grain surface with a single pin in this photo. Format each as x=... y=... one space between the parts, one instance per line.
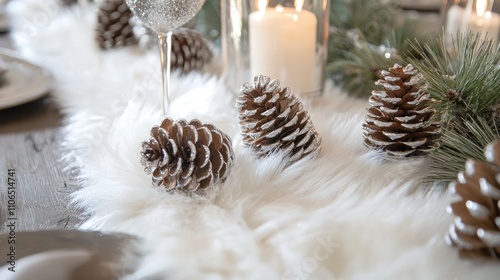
x=29 y=144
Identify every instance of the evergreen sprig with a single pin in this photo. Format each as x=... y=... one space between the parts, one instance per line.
x=463 y=77
x=458 y=144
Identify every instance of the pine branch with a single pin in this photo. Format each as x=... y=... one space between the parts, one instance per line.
x=466 y=141
x=464 y=79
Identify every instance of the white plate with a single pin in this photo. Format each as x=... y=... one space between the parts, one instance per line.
x=24 y=81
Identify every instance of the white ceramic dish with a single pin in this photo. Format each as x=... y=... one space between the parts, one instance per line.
x=23 y=81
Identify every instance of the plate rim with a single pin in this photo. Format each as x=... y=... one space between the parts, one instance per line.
x=30 y=95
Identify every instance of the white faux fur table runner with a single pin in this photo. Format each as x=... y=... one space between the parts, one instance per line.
x=347 y=214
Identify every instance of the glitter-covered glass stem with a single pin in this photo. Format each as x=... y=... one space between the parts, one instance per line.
x=165 y=44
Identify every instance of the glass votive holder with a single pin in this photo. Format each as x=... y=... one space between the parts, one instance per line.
x=285 y=40
x=470 y=15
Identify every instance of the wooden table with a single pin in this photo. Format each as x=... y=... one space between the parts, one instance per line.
x=29 y=144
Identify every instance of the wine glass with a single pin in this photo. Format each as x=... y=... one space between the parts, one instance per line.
x=163 y=16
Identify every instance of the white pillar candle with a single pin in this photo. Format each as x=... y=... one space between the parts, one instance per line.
x=283 y=46
x=454 y=20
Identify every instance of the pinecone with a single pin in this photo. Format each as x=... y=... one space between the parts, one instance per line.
x=113 y=28
x=187 y=157
x=399 y=121
x=190 y=50
x=273 y=119
x=476 y=229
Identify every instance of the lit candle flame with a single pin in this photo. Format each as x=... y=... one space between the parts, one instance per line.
x=298 y=5
x=481 y=6
x=262 y=4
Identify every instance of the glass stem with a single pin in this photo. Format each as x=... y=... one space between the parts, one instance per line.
x=165 y=43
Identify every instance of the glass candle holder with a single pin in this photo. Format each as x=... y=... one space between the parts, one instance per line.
x=470 y=15
x=285 y=40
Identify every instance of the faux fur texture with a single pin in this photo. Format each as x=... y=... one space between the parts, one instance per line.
x=347 y=214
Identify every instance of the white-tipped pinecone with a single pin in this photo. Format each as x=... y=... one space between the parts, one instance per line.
x=476 y=229
x=187 y=156
x=113 y=28
x=400 y=119
x=273 y=119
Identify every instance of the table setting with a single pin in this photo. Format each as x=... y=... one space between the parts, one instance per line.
x=239 y=139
